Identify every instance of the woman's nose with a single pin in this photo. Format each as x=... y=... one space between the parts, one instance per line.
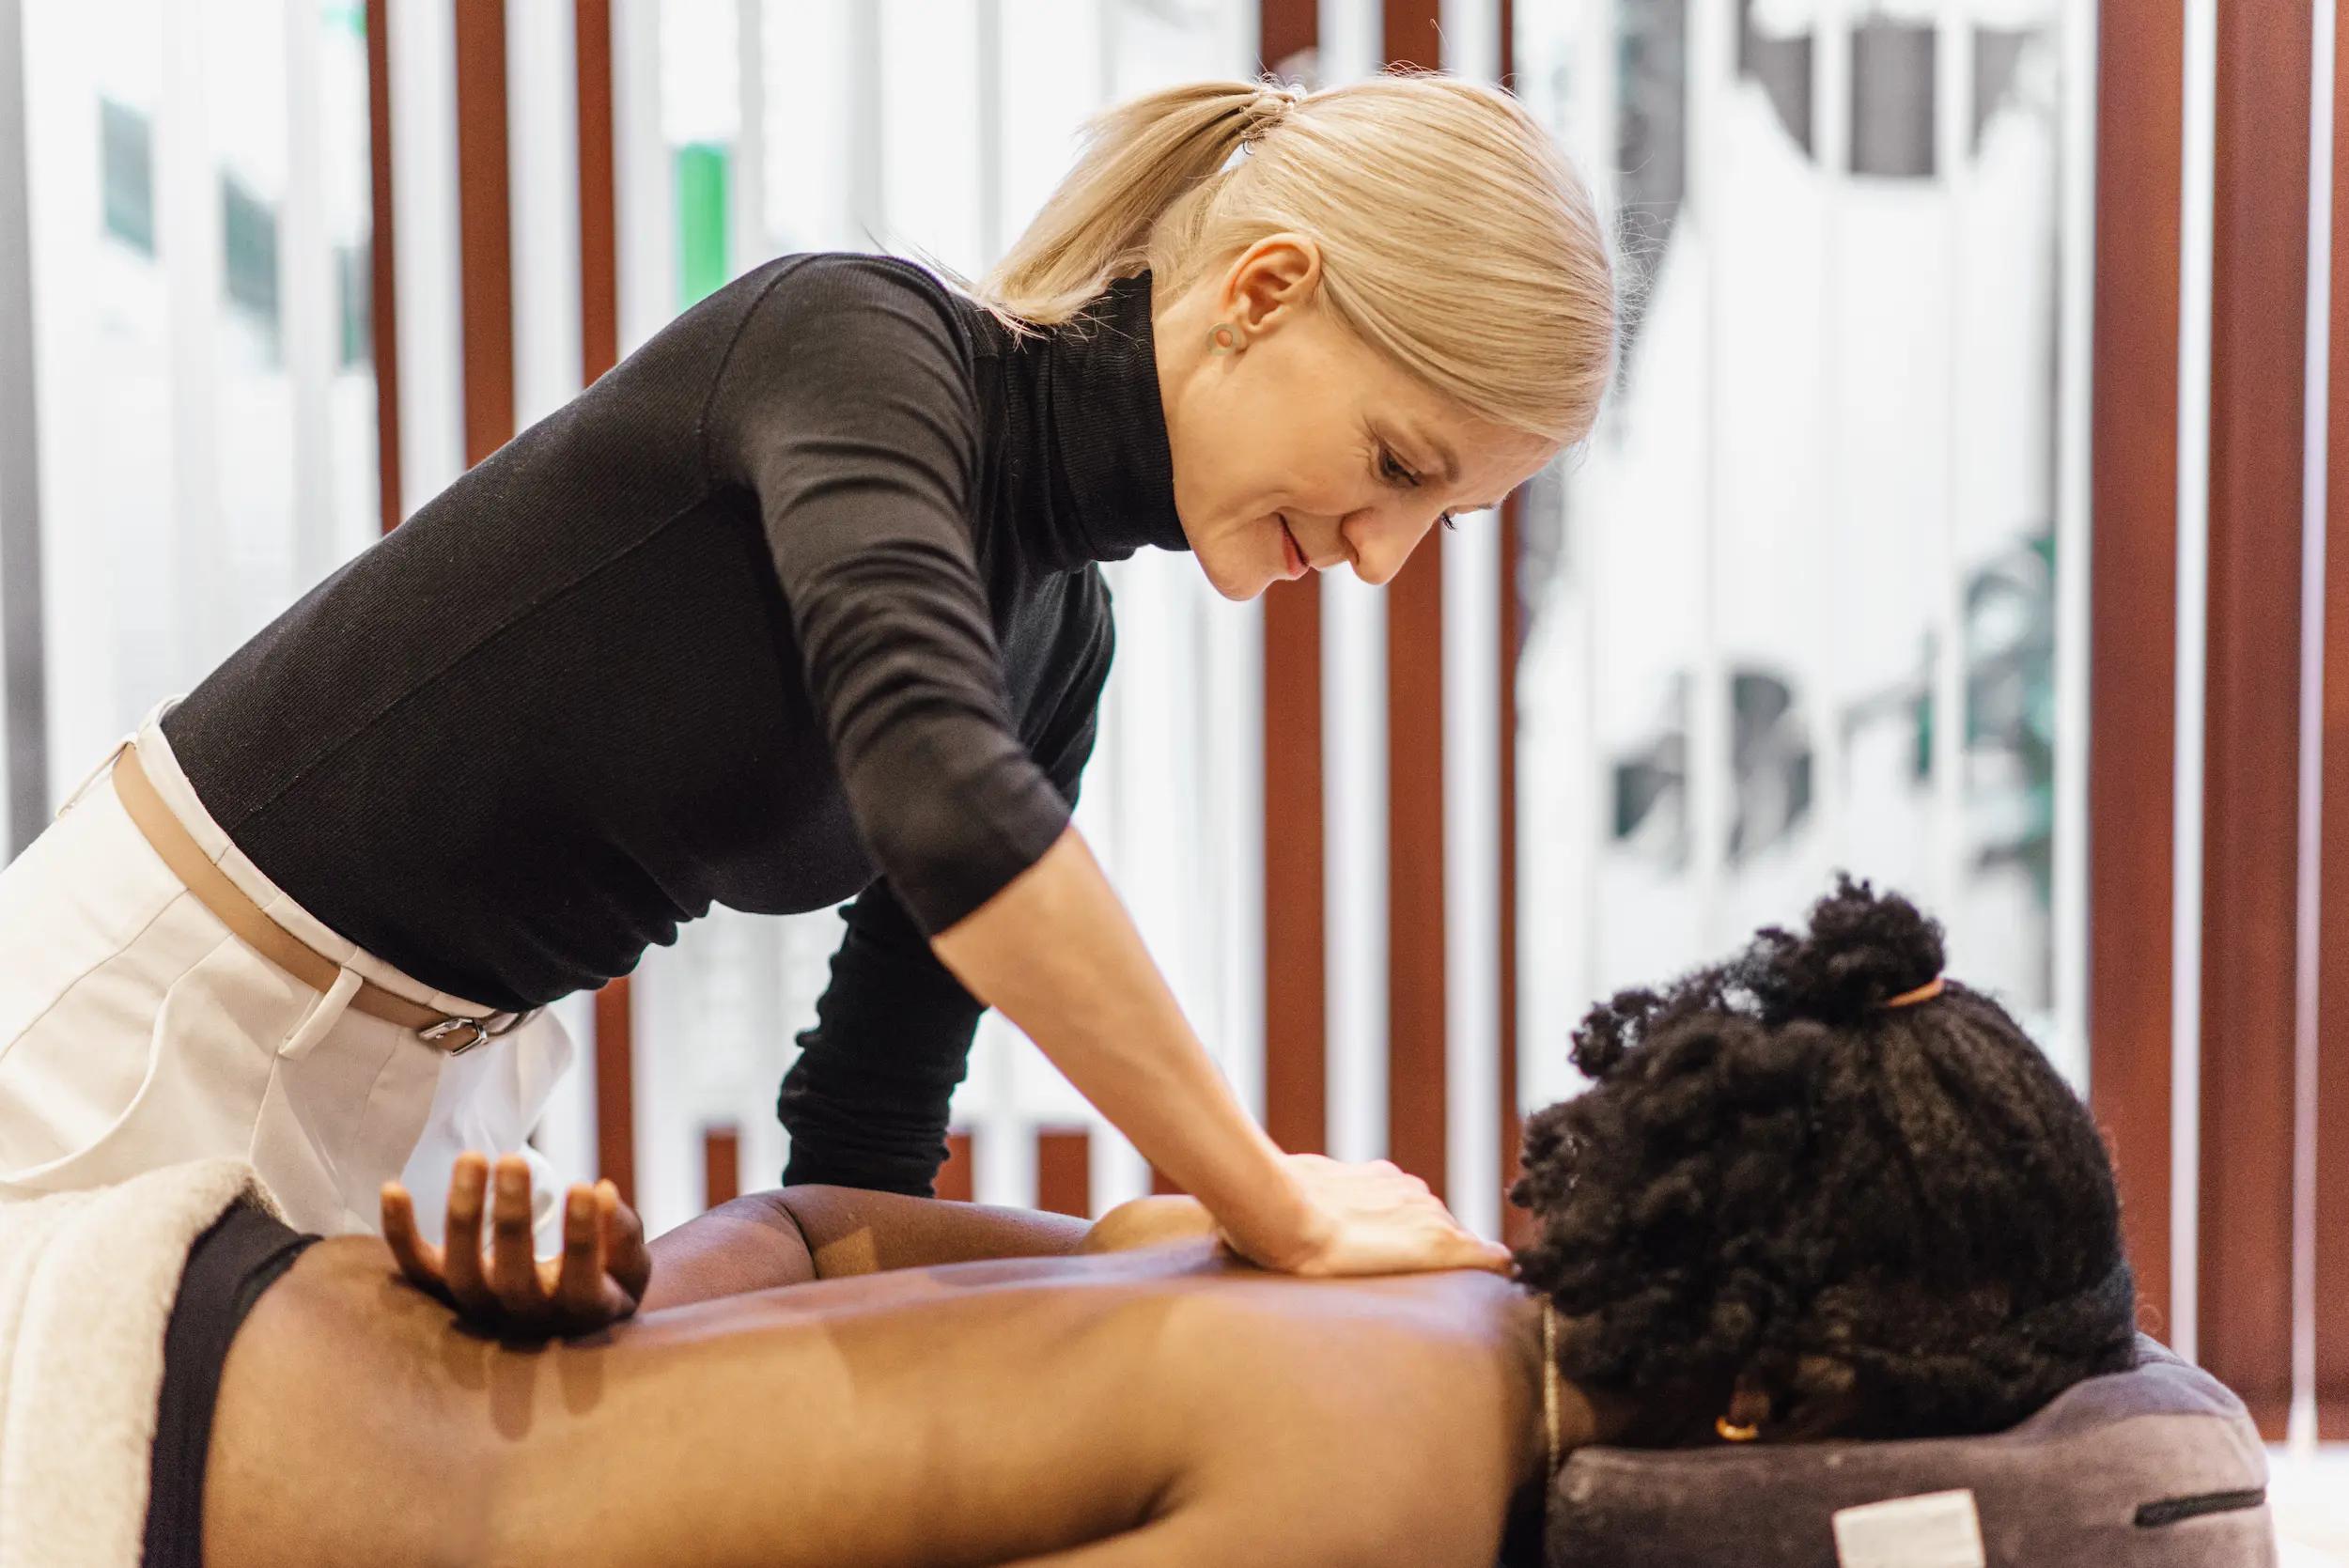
x=1380 y=539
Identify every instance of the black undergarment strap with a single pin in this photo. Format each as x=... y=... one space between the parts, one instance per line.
x=229 y=1266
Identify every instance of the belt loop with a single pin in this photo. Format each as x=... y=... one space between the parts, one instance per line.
x=73 y=795
x=323 y=1016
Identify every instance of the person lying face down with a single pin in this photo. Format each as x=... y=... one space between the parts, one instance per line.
x=1809 y=1194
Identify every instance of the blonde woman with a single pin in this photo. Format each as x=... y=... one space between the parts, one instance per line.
x=798 y=604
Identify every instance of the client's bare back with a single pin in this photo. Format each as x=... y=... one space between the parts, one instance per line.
x=1155 y=1407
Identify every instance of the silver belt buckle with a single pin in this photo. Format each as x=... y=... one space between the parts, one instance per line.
x=447 y=1028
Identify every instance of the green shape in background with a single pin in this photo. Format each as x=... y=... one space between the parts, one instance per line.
x=701 y=221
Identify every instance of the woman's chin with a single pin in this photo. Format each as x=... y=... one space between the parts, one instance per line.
x=1236 y=581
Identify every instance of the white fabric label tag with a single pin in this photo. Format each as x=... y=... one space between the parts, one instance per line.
x=1939 y=1530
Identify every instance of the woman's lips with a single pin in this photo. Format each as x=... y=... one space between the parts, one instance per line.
x=1291 y=555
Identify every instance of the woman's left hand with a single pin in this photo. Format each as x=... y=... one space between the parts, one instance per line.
x=597 y=1280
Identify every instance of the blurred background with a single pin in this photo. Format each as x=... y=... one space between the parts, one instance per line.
x=1929 y=304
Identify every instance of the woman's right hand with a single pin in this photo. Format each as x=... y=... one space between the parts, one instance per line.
x=1376 y=1218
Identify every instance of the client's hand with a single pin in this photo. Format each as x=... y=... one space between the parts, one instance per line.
x=598 y=1280
x=1381 y=1219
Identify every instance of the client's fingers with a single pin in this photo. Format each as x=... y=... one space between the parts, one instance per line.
x=626 y=1258
x=579 y=1301
x=460 y=1264
x=513 y=1270
x=418 y=1259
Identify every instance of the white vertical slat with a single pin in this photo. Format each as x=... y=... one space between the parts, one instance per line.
x=930 y=154
x=643 y=177
x=2074 y=350
x=542 y=164
x=24 y=785
x=1830 y=141
x=1354 y=859
x=309 y=310
x=1953 y=69
x=1711 y=45
x=2197 y=227
x=423 y=202
x=747 y=240
x=2302 y=1428
x=1474 y=732
x=1354 y=766
x=188 y=244
x=1352 y=42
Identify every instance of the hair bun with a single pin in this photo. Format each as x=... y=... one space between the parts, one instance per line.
x=1863 y=947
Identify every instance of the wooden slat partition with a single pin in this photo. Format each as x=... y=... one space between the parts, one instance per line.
x=2140 y=87
x=1296 y=1015
x=383 y=279
x=2259 y=294
x=2333 y=1000
x=722 y=1164
x=599 y=349
x=1417 y=1079
x=1516 y=1224
x=954 y=1177
x=485 y=226
x=1063 y=1170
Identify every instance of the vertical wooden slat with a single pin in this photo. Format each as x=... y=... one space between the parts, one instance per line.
x=954 y=1177
x=2133 y=615
x=722 y=1165
x=1063 y=1170
x=1295 y=1017
x=2258 y=295
x=1412 y=37
x=2332 y=991
x=598 y=239
x=484 y=226
x=1417 y=1130
x=616 y=1087
x=382 y=292
x=599 y=349
x=1516 y=1224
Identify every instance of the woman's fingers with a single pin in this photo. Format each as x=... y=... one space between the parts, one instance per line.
x=461 y=1264
x=419 y=1260
x=513 y=1265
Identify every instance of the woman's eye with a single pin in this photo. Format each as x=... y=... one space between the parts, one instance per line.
x=1450 y=526
x=1394 y=472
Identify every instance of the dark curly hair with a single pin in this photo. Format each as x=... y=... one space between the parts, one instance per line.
x=1890 y=1221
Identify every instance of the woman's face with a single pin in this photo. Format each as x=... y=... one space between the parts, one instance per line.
x=1304 y=448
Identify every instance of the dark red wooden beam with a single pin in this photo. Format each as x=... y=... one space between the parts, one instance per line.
x=1063 y=1170
x=1417 y=1125
x=2251 y=794
x=2332 y=1005
x=2133 y=616
x=722 y=1165
x=382 y=280
x=1296 y=1016
x=484 y=226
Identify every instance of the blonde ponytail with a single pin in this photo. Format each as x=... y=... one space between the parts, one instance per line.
x=1140 y=160
x=1456 y=237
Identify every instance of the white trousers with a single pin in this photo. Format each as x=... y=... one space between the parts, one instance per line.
x=136 y=1030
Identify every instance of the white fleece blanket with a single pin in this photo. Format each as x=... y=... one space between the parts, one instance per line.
x=87 y=1284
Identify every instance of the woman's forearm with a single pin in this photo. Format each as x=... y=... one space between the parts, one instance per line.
x=1056 y=953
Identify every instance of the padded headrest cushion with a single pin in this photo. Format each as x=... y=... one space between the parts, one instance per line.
x=2158 y=1466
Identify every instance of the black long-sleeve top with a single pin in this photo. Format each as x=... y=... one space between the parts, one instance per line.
x=799 y=600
